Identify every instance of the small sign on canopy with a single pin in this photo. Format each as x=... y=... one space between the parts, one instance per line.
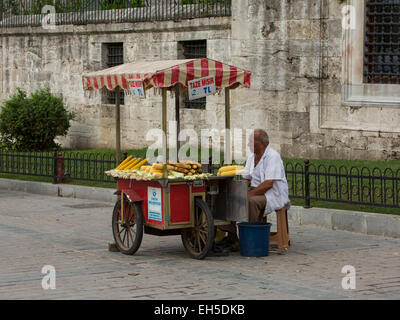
x=137 y=89
x=202 y=87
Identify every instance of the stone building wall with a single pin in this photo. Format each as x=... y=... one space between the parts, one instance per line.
x=295 y=50
x=37 y=57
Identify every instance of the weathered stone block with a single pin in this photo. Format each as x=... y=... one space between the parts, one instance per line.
x=317 y=217
x=303 y=29
x=352 y=222
x=309 y=67
x=383 y=225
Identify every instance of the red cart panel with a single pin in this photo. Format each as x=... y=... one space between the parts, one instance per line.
x=198 y=189
x=155 y=217
x=180 y=203
x=163 y=208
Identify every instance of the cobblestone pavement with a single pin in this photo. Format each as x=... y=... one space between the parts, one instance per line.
x=73 y=236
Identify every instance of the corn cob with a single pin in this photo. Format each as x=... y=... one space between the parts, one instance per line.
x=124 y=162
x=230 y=173
x=196 y=165
x=141 y=163
x=155 y=170
x=158 y=166
x=229 y=168
x=132 y=164
x=157 y=175
x=126 y=165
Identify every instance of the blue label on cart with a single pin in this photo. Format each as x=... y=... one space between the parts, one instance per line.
x=154 y=204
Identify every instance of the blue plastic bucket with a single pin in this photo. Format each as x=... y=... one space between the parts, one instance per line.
x=254 y=238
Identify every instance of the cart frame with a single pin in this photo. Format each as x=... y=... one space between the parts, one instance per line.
x=196 y=204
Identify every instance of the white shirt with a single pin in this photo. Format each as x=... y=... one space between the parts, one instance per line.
x=270 y=167
x=256 y=178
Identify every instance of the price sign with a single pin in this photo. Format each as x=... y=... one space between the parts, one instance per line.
x=154 y=204
x=202 y=87
x=137 y=89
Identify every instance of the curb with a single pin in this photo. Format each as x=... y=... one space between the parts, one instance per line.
x=377 y=224
x=359 y=222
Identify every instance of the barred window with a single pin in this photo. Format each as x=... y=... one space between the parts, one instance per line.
x=382 y=41
x=193 y=50
x=114 y=57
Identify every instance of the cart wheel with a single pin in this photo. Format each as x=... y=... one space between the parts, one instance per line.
x=128 y=235
x=199 y=240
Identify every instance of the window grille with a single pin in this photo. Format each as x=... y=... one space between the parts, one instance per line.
x=382 y=40
x=115 y=57
x=194 y=50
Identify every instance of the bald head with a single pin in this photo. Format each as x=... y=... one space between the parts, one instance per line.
x=262 y=136
x=258 y=141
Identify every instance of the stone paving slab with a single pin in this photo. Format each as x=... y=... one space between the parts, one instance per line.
x=68 y=233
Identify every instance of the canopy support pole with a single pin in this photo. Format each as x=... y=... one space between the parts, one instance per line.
x=228 y=151
x=164 y=129
x=117 y=125
x=177 y=119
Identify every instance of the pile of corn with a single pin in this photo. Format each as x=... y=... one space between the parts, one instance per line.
x=177 y=170
x=230 y=171
x=131 y=164
x=128 y=169
x=132 y=168
x=156 y=170
x=188 y=169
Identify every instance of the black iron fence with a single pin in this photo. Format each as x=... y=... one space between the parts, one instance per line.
x=307 y=181
x=19 y=13
x=355 y=185
x=60 y=166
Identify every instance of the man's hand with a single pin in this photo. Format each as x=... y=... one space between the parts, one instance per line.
x=261 y=189
x=250 y=194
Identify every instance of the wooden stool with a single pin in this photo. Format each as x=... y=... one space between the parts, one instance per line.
x=281 y=237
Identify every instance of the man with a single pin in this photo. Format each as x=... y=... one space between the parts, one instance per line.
x=265 y=173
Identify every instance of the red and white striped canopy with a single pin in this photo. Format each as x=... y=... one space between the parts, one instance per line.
x=165 y=74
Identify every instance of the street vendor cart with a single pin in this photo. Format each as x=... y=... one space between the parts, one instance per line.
x=174 y=206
